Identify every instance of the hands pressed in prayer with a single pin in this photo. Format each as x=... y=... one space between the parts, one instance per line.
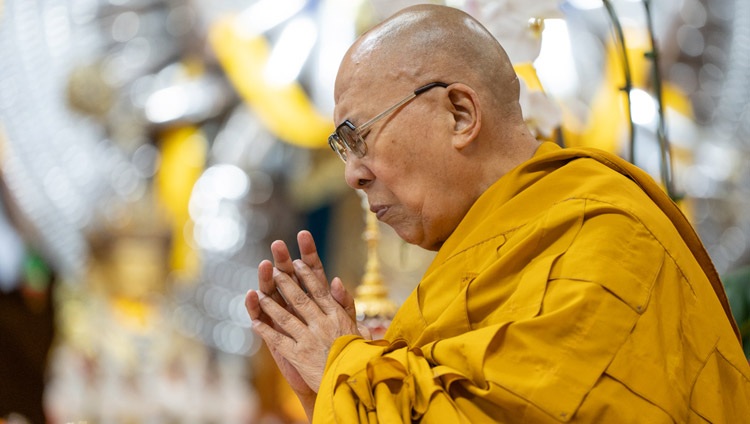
x=299 y=316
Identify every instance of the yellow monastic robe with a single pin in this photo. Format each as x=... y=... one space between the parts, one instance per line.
x=573 y=291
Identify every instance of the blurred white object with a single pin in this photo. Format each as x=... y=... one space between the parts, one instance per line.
x=541 y=113
x=386 y=8
x=508 y=21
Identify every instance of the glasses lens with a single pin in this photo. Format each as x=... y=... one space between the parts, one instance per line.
x=337 y=146
x=353 y=141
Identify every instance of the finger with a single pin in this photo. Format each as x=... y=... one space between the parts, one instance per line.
x=309 y=254
x=343 y=297
x=265 y=277
x=318 y=290
x=283 y=319
x=252 y=304
x=276 y=341
x=266 y=283
x=304 y=307
x=282 y=260
x=364 y=331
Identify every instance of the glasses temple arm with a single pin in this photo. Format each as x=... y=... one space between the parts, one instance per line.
x=386 y=112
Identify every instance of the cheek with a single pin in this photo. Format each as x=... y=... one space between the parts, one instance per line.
x=411 y=186
x=408 y=163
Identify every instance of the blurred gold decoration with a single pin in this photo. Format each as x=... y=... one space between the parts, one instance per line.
x=183 y=157
x=537 y=26
x=604 y=128
x=528 y=74
x=129 y=256
x=284 y=108
x=374 y=307
x=88 y=92
x=127 y=274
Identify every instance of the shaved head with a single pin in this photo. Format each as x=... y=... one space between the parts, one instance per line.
x=426 y=43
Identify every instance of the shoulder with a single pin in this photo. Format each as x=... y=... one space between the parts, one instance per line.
x=613 y=248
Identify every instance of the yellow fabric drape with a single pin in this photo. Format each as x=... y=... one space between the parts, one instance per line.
x=565 y=295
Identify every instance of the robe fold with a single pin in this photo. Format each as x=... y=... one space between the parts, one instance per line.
x=573 y=290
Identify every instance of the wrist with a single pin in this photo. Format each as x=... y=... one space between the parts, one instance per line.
x=308 y=403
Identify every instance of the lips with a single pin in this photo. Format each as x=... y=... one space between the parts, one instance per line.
x=379 y=210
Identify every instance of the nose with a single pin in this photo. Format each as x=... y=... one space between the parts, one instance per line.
x=356 y=173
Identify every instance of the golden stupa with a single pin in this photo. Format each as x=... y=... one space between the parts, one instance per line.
x=375 y=309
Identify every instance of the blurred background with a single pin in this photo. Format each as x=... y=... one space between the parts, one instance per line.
x=150 y=151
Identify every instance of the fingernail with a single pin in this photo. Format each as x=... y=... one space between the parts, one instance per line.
x=297 y=263
x=261 y=295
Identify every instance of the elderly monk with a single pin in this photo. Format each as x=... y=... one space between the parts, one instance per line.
x=566 y=287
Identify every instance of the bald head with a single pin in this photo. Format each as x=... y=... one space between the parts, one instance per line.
x=427 y=43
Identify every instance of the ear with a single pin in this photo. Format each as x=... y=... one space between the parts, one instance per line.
x=467 y=116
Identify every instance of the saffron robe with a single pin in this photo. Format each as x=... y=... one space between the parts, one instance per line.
x=574 y=290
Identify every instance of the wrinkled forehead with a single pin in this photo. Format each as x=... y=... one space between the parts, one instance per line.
x=372 y=80
x=363 y=88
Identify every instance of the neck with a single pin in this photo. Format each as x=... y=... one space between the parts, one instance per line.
x=508 y=148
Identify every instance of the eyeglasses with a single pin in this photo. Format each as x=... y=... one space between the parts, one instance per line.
x=348 y=137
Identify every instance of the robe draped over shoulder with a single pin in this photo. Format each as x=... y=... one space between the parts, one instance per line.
x=574 y=290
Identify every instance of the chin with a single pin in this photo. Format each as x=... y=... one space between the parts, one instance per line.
x=433 y=246
x=418 y=240
x=405 y=235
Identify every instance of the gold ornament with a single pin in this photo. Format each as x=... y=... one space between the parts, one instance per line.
x=374 y=306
